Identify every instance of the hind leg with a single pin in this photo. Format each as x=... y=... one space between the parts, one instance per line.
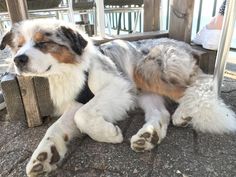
x=157 y=120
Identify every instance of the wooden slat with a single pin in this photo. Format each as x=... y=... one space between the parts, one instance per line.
x=44 y=101
x=12 y=97
x=30 y=101
x=151 y=15
x=207 y=58
x=202 y=59
x=181 y=17
x=133 y=37
x=17 y=10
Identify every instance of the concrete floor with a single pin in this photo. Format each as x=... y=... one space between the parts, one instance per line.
x=183 y=153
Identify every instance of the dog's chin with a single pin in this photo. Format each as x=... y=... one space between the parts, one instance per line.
x=31 y=72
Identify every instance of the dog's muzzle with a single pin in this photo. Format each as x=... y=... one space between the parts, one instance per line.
x=21 y=61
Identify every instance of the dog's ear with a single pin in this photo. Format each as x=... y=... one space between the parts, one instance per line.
x=6 y=40
x=77 y=42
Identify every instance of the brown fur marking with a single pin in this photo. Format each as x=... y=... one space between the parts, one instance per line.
x=40 y=37
x=20 y=41
x=7 y=40
x=66 y=137
x=63 y=55
x=59 y=52
x=158 y=85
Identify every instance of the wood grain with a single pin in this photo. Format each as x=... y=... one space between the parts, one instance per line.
x=45 y=103
x=133 y=37
x=151 y=15
x=181 y=17
x=12 y=96
x=17 y=10
x=30 y=101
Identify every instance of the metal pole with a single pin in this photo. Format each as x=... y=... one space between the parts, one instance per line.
x=225 y=41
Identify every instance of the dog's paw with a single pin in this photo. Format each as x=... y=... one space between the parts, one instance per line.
x=97 y=127
x=117 y=136
x=111 y=134
x=45 y=158
x=181 y=121
x=145 y=139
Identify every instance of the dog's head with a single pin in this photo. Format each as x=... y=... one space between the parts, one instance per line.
x=40 y=47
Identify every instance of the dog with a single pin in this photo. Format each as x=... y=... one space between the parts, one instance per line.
x=93 y=88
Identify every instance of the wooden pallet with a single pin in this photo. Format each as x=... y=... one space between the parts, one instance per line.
x=27 y=98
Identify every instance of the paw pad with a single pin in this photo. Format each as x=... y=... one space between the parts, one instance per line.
x=183 y=122
x=55 y=155
x=42 y=156
x=144 y=141
x=37 y=168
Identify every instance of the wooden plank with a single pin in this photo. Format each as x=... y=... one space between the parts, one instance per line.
x=151 y=15
x=181 y=17
x=44 y=101
x=88 y=28
x=17 y=10
x=133 y=37
x=12 y=97
x=202 y=59
x=30 y=101
x=207 y=59
x=212 y=61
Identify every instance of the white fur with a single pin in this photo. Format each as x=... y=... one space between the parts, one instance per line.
x=209 y=113
x=157 y=120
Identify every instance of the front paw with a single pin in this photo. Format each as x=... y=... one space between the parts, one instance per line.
x=45 y=158
x=110 y=134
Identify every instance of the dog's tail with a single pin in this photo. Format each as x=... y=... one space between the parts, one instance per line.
x=204 y=110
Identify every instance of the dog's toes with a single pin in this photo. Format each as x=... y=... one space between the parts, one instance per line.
x=182 y=121
x=45 y=159
x=115 y=135
x=144 y=141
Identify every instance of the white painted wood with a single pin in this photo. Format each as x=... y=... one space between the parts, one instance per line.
x=100 y=18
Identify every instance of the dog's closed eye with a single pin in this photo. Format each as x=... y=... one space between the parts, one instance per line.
x=41 y=44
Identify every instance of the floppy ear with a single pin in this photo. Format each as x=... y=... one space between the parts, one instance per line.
x=6 y=40
x=77 y=42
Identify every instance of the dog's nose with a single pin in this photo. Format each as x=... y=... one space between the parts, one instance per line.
x=21 y=60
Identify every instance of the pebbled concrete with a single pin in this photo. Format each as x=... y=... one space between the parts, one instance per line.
x=183 y=153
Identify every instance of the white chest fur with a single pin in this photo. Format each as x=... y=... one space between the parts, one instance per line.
x=64 y=88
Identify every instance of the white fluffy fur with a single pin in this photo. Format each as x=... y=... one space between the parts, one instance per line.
x=208 y=112
x=200 y=105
